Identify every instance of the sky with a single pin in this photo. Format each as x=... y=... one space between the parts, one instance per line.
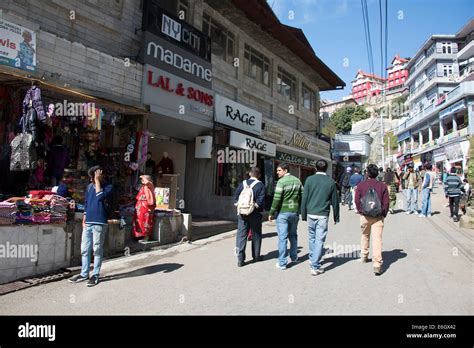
x=335 y=30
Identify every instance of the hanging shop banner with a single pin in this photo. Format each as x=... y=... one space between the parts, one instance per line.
x=293 y=159
x=247 y=142
x=17 y=46
x=452 y=109
x=454 y=152
x=162 y=23
x=175 y=95
x=236 y=115
x=173 y=59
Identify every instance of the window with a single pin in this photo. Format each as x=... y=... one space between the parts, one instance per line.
x=308 y=98
x=183 y=8
x=403 y=79
x=256 y=66
x=223 y=41
x=446 y=47
x=286 y=84
x=447 y=70
x=396 y=74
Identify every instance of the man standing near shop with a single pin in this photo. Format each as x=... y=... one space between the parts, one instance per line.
x=372 y=202
x=94 y=225
x=319 y=194
x=346 y=188
x=356 y=178
x=286 y=203
x=411 y=189
x=426 y=189
x=453 y=187
x=253 y=220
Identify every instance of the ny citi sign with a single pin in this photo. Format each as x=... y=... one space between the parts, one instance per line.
x=160 y=22
x=236 y=115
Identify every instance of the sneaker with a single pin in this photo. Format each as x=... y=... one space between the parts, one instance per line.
x=318 y=271
x=421 y=215
x=455 y=219
x=377 y=271
x=416 y=212
x=429 y=215
x=277 y=265
x=77 y=279
x=364 y=259
x=408 y=212
x=93 y=281
x=391 y=211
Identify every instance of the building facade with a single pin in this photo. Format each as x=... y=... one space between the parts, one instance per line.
x=440 y=101
x=397 y=75
x=366 y=86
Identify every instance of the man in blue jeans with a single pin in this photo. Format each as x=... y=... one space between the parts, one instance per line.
x=94 y=225
x=319 y=194
x=286 y=203
x=426 y=189
x=412 y=181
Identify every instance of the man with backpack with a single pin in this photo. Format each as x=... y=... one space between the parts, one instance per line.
x=319 y=195
x=412 y=180
x=94 y=223
x=286 y=203
x=453 y=187
x=249 y=198
x=346 y=187
x=426 y=189
x=372 y=202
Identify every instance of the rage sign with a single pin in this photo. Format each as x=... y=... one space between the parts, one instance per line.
x=244 y=118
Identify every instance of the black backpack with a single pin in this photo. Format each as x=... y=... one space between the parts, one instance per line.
x=370 y=203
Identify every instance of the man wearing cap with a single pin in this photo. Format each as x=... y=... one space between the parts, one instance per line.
x=412 y=180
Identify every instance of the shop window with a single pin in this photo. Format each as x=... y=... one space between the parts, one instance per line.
x=223 y=41
x=256 y=65
x=286 y=84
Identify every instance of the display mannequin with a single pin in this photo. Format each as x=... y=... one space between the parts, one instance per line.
x=166 y=165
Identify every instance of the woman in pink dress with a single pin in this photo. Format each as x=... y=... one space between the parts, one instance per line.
x=144 y=209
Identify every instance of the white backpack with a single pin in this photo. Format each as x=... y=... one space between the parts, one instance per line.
x=246 y=202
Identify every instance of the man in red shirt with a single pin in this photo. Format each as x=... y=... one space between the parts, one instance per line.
x=372 y=216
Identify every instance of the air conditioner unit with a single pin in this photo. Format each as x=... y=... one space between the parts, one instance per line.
x=203 y=147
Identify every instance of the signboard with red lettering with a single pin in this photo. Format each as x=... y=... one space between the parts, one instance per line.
x=17 y=46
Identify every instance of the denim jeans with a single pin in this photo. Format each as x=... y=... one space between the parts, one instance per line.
x=426 y=201
x=287 y=224
x=412 y=199
x=93 y=237
x=317 y=231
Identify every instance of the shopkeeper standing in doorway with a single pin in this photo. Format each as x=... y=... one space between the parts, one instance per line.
x=94 y=223
x=143 y=217
x=58 y=159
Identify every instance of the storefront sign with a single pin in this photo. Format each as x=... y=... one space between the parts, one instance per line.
x=179 y=96
x=299 y=141
x=176 y=60
x=237 y=115
x=243 y=141
x=293 y=159
x=453 y=108
x=454 y=152
x=171 y=28
x=17 y=46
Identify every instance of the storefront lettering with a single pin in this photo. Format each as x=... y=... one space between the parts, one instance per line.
x=295 y=159
x=190 y=92
x=244 y=118
x=299 y=141
x=255 y=144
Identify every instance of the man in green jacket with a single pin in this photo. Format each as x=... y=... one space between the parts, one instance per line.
x=320 y=193
x=286 y=203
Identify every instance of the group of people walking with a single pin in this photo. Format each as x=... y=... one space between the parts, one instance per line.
x=313 y=202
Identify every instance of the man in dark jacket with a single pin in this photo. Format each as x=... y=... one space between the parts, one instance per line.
x=346 y=188
x=319 y=194
x=453 y=187
x=253 y=220
x=369 y=224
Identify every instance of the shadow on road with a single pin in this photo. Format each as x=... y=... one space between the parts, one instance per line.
x=393 y=256
x=165 y=268
x=274 y=255
x=269 y=235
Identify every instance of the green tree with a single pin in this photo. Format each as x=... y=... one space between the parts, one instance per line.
x=397 y=106
x=347 y=115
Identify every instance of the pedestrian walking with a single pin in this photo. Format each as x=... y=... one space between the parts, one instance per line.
x=249 y=198
x=426 y=189
x=381 y=174
x=346 y=187
x=286 y=205
x=319 y=194
x=143 y=218
x=453 y=187
x=94 y=223
x=390 y=179
x=372 y=203
x=411 y=189
x=355 y=179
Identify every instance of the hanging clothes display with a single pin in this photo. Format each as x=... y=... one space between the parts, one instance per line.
x=23 y=155
x=33 y=95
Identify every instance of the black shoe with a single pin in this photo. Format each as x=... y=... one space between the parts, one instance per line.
x=377 y=271
x=455 y=219
x=240 y=263
x=93 y=281
x=77 y=279
x=258 y=259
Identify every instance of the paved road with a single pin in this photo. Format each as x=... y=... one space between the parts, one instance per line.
x=428 y=270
